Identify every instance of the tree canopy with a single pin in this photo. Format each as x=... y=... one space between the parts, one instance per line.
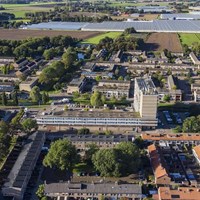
x=95 y=99
x=191 y=124
x=32 y=47
x=29 y=124
x=106 y=162
x=35 y=94
x=62 y=155
x=121 y=160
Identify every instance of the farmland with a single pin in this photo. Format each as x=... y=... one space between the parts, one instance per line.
x=161 y=41
x=96 y=39
x=189 y=38
x=20 y=34
x=19 y=10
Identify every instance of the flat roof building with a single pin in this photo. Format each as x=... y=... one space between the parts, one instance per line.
x=97 y=119
x=145 y=97
x=113 y=88
x=28 y=84
x=76 y=85
x=94 y=190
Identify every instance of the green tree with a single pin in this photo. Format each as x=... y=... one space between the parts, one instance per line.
x=139 y=142
x=177 y=129
x=98 y=78
x=84 y=131
x=45 y=97
x=4 y=128
x=35 y=94
x=40 y=191
x=103 y=99
x=120 y=78
x=4 y=99
x=129 y=30
x=166 y=98
x=47 y=75
x=106 y=162
x=62 y=155
x=129 y=156
x=4 y=69
x=91 y=150
x=69 y=57
x=49 y=54
x=4 y=145
x=29 y=124
x=95 y=99
x=15 y=121
x=15 y=98
x=191 y=125
x=191 y=80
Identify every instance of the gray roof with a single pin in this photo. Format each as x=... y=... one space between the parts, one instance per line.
x=98 y=138
x=180 y=16
x=90 y=114
x=97 y=188
x=24 y=162
x=140 y=26
x=146 y=85
x=76 y=81
x=147 y=26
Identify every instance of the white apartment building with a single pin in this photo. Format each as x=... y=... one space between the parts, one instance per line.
x=145 y=98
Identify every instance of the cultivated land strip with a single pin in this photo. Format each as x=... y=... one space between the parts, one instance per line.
x=20 y=34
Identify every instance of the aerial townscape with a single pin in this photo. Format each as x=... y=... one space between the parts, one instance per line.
x=99 y=100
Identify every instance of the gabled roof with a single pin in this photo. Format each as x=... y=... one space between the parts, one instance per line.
x=197 y=151
x=183 y=193
x=156 y=162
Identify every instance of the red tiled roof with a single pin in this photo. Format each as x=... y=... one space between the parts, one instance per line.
x=171 y=137
x=159 y=170
x=197 y=150
x=183 y=193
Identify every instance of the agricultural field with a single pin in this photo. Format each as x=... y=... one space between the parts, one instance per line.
x=19 y=10
x=189 y=38
x=96 y=39
x=124 y=4
x=146 y=17
x=161 y=41
x=20 y=34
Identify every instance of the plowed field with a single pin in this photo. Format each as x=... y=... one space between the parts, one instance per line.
x=20 y=34
x=160 y=41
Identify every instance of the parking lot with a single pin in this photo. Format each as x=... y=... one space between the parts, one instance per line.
x=169 y=119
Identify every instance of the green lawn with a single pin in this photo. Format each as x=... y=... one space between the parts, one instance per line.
x=96 y=39
x=189 y=38
x=19 y=10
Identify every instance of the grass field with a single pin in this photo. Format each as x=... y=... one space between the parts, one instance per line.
x=189 y=38
x=19 y=10
x=96 y=39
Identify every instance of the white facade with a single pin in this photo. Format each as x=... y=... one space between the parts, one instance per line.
x=91 y=121
x=145 y=98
